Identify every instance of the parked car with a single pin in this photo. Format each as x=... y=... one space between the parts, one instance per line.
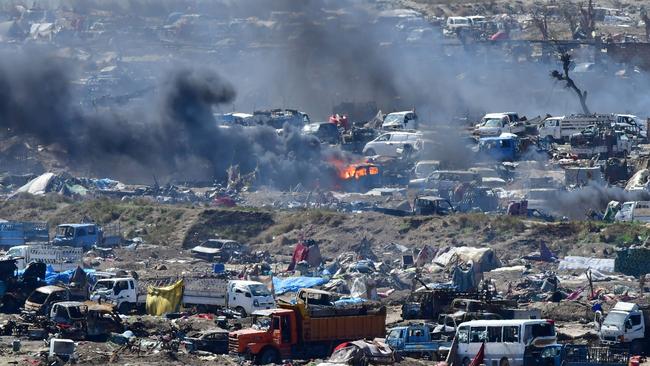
x=389 y=143
x=326 y=132
x=400 y=120
x=214 y=341
x=219 y=249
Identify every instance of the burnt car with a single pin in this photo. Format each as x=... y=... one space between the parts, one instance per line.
x=222 y=250
x=326 y=132
x=214 y=341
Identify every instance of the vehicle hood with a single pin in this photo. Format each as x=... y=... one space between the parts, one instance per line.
x=417 y=181
x=610 y=329
x=251 y=335
x=206 y=250
x=483 y=130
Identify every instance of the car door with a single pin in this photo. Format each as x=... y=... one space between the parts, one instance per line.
x=396 y=140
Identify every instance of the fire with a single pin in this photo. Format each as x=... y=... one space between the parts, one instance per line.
x=348 y=171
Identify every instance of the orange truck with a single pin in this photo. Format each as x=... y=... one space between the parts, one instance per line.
x=291 y=333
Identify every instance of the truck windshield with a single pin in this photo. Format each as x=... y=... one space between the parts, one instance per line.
x=262 y=323
x=66 y=231
x=393 y=119
x=37 y=297
x=614 y=318
x=492 y=123
x=259 y=290
x=104 y=285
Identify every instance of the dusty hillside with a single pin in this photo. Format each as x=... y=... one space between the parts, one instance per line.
x=184 y=225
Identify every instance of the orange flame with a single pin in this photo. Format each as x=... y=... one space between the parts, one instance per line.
x=354 y=170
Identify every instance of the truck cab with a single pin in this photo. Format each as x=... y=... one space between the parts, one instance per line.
x=122 y=292
x=400 y=120
x=501 y=148
x=415 y=340
x=77 y=235
x=273 y=334
x=430 y=205
x=626 y=323
x=41 y=300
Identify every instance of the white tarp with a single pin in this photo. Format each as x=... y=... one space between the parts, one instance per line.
x=484 y=258
x=575 y=262
x=37 y=185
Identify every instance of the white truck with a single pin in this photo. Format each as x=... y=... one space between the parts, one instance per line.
x=561 y=128
x=627 y=324
x=494 y=124
x=638 y=211
x=60 y=258
x=245 y=297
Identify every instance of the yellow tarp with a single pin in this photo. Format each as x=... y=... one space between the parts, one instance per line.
x=163 y=300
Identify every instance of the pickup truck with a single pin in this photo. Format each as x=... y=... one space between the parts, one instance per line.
x=293 y=332
x=245 y=297
x=627 y=324
x=87 y=235
x=415 y=341
x=60 y=258
x=574 y=355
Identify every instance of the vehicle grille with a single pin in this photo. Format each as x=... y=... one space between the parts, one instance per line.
x=232 y=344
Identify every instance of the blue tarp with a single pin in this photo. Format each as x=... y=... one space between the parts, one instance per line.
x=350 y=301
x=293 y=284
x=52 y=277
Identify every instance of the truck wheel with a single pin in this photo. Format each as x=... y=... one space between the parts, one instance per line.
x=370 y=152
x=433 y=356
x=267 y=356
x=124 y=308
x=241 y=311
x=636 y=348
x=504 y=362
x=466 y=361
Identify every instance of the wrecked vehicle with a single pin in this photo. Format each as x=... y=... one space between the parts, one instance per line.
x=293 y=332
x=221 y=250
x=431 y=205
x=415 y=341
x=400 y=121
x=494 y=124
x=600 y=141
x=87 y=235
x=326 y=132
x=445 y=181
x=86 y=320
x=213 y=341
x=425 y=167
x=388 y=144
x=356 y=138
x=276 y=118
x=429 y=304
x=505 y=147
x=627 y=325
x=41 y=300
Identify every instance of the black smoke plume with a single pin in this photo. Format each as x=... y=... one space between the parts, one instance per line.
x=172 y=134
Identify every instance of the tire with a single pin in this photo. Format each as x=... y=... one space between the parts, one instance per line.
x=636 y=348
x=504 y=362
x=466 y=361
x=433 y=356
x=241 y=311
x=370 y=152
x=124 y=308
x=267 y=356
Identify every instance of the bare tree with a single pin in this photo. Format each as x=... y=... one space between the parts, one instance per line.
x=564 y=76
x=587 y=20
x=570 y=14
x=540 y=19
x=646 y=20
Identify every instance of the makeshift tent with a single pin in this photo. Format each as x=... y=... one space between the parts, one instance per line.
x=425 y=256
x=37 y=185
x=163 y=300
x=484 y=259
x=306 y=250
x=576 y=262
x=293 y=284
x=464 y=280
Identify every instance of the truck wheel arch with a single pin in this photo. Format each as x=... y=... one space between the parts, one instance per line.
x=267 y=355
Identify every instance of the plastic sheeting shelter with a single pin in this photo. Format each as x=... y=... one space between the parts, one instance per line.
x=163 y=300
x=293 y=284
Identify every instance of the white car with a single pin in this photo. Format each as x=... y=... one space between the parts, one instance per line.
x=391 y=143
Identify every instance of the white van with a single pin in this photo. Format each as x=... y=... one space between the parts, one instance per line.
x=505 y=340
x=389 y=144
x=458 y=22
x=634 y=211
